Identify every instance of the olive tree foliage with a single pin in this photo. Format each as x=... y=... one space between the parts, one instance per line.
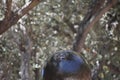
x=102 y=43
x=51 y=26
x=47 y=28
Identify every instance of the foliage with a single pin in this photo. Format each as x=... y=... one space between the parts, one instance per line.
x=52 y=26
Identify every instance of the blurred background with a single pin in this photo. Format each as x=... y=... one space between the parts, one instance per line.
x=51 y=26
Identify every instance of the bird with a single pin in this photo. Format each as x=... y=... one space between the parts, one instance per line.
x=66 y=65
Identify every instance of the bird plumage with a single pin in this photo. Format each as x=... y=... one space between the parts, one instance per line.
x=66 y=65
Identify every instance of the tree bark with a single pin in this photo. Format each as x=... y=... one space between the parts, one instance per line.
x=26 y=51
x=95 y=12
x=11 y=17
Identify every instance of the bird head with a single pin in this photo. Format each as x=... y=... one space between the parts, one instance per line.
x=66 y=65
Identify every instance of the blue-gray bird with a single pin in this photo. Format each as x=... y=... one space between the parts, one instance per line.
x=66 y=65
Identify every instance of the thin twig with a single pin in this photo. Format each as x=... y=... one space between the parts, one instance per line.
x=8 y=8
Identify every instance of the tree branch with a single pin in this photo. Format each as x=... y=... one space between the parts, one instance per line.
x=8 y=8
x=27 y=7
x=88 y=22
x=11 y=19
